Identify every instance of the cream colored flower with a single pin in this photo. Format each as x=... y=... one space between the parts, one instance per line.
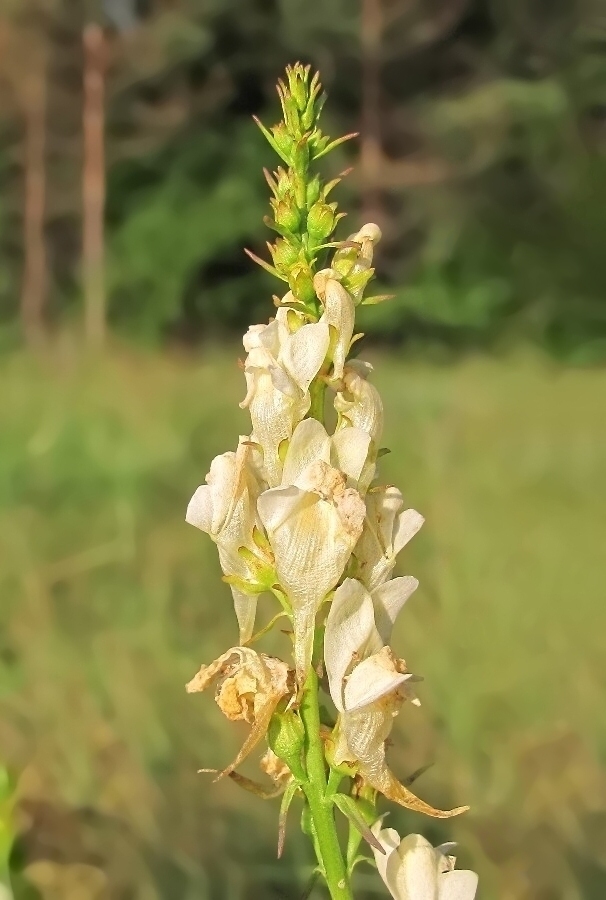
x=356 y=255
x=226 y=509
x=251 y=686
x=359 y=403
x=314 y=521
x=414 y=870
x=368 y=684
x=339 y=312
x=279 y=369
x=387 y=529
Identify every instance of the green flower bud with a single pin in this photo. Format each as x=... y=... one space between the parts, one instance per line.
x=283 y=185
x=288 y=216
x=313 y=191
x=321 y=220
x=284 y=256
x=300 y=156
x=297 y=83
x=284 y=141
x=300 y=280
x=286 y=737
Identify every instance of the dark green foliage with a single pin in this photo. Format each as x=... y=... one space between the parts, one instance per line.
x=492 y=182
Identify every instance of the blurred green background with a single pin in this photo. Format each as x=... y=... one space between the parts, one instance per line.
x=482 y=157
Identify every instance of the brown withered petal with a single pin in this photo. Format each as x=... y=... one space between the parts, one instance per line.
x=253 y=685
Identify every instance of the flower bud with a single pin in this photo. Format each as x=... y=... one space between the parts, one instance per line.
x=300 y=281
x=321 y=220
x=300 y=156
x=284 y=141
x=284 y=256
x=283 y=185
x=286 y=736
x=297 y=83
x=313 y=190
x=287 y=215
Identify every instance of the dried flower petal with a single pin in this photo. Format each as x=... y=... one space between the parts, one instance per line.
x=251 y=687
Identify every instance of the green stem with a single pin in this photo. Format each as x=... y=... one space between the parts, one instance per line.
x=317 y=391
x=321 y=807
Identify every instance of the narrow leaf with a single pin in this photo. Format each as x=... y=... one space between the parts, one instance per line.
x=289 y=793
x=377 y=298
x=350 y=809
x=264 y=265
x=336 y=143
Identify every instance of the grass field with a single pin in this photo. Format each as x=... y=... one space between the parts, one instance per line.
x=109 y=603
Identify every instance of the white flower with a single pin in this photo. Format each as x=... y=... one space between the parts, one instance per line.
x=314 y=521
x=252 y=685
x=368 y=683
x=356 y=255
x=414 y=870
x=339 y=312
x=226 y=509
x=279 y=369
x=387 y=529
x=359 y=403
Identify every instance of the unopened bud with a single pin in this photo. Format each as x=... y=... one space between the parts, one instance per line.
x=298 y=88
x=284 y=256
x=287 y=216
x=284 y=142
x=286 y=737
x=321 y=220
x=301 y=283
x=313 y=190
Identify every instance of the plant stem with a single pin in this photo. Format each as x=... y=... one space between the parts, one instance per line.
x=317 y=391
x=320 y=806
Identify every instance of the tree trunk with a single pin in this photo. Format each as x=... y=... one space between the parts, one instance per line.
x=34 y=286
x=370 y=151
x=93 y=249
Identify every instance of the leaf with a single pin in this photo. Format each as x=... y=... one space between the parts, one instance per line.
x=377 y=298
x=289 y=793
x=350 y=809
x=264 y=265
x=253 y=787
x=335 y=143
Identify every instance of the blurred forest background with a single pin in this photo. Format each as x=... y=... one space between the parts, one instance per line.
x=130 y=180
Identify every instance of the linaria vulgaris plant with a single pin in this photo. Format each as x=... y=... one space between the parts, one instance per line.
x=301 y=518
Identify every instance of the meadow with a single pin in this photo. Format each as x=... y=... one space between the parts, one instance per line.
x=109 y=602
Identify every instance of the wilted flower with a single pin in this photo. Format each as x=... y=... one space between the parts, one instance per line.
x=251 y=686
x=368 y=683
x=359 y=403
x=279 y=368
x=226 y=509
x=314 y=521
x=387 y=529
x=414 y=870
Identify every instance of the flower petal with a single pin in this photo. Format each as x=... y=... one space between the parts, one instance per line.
x=411 y=872
x=245 y=606
x=339 y=311
x=408 y=524
x=200 y=509
x=304 y=352
x=312 y=543
x=388 y=599
x=390 y=841
x=372 y=679
x=309 y=443
x=350 y=626
x=360 y=403
x=350 y=451
x=460 y=884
